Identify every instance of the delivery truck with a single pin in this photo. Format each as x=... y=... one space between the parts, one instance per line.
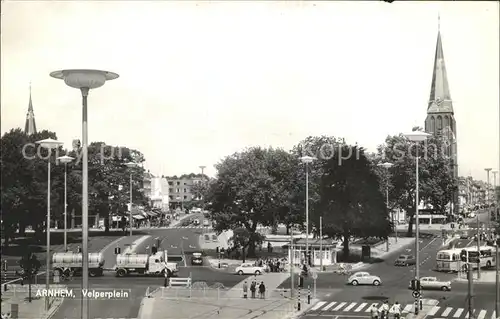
x=144 y=264
x=64 y=263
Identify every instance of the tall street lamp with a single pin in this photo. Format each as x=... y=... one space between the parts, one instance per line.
x=387 y=165
x=48 y=144
x=130 y=165
x=488 y=199
x=307 y=160
x=65 y=160
x=495 y=198
x=84 y=80
x=417 y=136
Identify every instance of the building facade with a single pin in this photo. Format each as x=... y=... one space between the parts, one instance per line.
x=440 y=119
x=181 y=189
x=159 y=193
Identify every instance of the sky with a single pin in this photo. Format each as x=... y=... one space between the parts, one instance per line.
x=202 y=80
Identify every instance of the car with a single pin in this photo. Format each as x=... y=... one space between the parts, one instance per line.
x=249 y=269
x=364 y=278
x=196 y=222
x=206 y=223
x=430 y=283
x=405 y=260
x=197 y=259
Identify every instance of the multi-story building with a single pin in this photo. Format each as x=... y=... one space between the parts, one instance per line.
x=181 y=189
x=146 y=186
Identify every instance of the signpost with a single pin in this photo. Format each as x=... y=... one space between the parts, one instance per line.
x=314 y=275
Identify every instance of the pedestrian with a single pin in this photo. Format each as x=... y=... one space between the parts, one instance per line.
x=385 y=310
x=252 y=289
x=262 y=290
x=245 y=290
x=396 y=310
x=374 y=311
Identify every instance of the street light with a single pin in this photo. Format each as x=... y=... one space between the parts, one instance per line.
x=65 y=160
x=387 y=165
x=417 y=136
x=307 y=160
x=130 y=165
x=48 y=144
x=84 y=80
x=488 y=199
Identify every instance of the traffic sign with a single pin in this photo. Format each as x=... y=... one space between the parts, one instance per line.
x=416 y=294
x=314 y=274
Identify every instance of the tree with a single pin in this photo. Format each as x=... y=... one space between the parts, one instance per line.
x=345 y=190
x=30 y=265
x=242 y=238
x=436 y=181
x=251 y=186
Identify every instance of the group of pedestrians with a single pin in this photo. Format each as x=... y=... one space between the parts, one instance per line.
x=386 y=310
x=253 y=289
x=272 y=264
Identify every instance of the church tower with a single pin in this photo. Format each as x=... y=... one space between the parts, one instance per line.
x=30 y=126
x=440 y=119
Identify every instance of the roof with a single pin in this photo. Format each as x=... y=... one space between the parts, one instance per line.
x=314 y=243
x=440 y=97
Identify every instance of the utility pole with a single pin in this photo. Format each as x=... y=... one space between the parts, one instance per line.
x=497 y=279
x=470 y=293
x=291 y=263
x=488 y=199
x=478 y=248
x=320 y=245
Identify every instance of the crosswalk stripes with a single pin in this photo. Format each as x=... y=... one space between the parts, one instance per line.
x=434 y=312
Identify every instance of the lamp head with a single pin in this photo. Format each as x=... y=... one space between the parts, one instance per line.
x=487 y=169
x=131 y=164
x=385 y=165
x=307 y=159
x=81 y=78
x=65 y=159
x=49 y=143
x=417 y=136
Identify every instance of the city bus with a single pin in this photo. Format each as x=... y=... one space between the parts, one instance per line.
x=448 y=260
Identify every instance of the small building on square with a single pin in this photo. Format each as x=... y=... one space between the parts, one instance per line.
x=325 y=249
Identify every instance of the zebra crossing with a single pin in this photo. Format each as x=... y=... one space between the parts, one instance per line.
x=190 y=226
x=365 y=307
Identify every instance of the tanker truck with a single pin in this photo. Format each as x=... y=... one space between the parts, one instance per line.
x=62 y=263
x=144 y=264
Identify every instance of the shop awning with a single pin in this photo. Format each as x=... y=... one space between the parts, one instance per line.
x=138 y=217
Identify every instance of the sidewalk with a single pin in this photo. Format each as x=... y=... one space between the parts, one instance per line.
x=28 y=310
x=486 y=277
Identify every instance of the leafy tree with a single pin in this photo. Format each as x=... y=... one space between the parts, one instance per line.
x=242 y=238
x=251 y=186
x=436 y=181
x=346 y=191
x=30 y=265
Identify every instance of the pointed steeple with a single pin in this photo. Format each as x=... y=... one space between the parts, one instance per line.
x=440 y=97
x=30 y=126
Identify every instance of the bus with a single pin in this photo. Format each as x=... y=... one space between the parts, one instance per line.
x=486 y=256
x=449 y=260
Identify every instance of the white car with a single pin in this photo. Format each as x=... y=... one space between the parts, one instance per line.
x=364 y=278
x=434 y=283
x=249 y=269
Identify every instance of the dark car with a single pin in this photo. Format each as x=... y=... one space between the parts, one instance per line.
x=405 y=260
x=197 y=259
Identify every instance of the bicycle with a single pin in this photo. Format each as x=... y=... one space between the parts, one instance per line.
x=67 y=275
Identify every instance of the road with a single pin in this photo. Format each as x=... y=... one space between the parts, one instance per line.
x=179 y=243
x=341 y=301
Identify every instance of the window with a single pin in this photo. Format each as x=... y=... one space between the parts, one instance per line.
x=171 y=197
x=185 y=197
x=177 y=190
x=185 y=190
x=178 y=183
x=440 y=122
x=433 y=124
x=171 y=183
x=171 y=190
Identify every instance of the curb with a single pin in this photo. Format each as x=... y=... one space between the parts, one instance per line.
x=111 y=244
x=297 y=314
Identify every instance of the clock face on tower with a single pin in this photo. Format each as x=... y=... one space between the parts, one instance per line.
x=439 y=101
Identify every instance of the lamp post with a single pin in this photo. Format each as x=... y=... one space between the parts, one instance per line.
x=495 y=200
x=48 y=144
x=65 y=160
x=84 y=80
x=417 y=136
x=307 y=160
x=488 y=200
x=130 y=165
x=387 y=165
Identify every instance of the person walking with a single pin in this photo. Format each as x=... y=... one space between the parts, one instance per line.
x=245 y=290
x=385 y=310
x=374 y=311
x=253 y=288
x=396 y=310
x=262 y=290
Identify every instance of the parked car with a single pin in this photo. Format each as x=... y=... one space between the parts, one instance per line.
x=405 y=260
x=433 y=283
x=364 y=278
x=249 y=269
x=196 y=222
x=197 y=259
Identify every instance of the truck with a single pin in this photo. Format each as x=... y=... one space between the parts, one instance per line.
x=144 y=264
x=64 y=263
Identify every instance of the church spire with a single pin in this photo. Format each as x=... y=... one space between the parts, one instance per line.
x=440 y=97
x=30 y=126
